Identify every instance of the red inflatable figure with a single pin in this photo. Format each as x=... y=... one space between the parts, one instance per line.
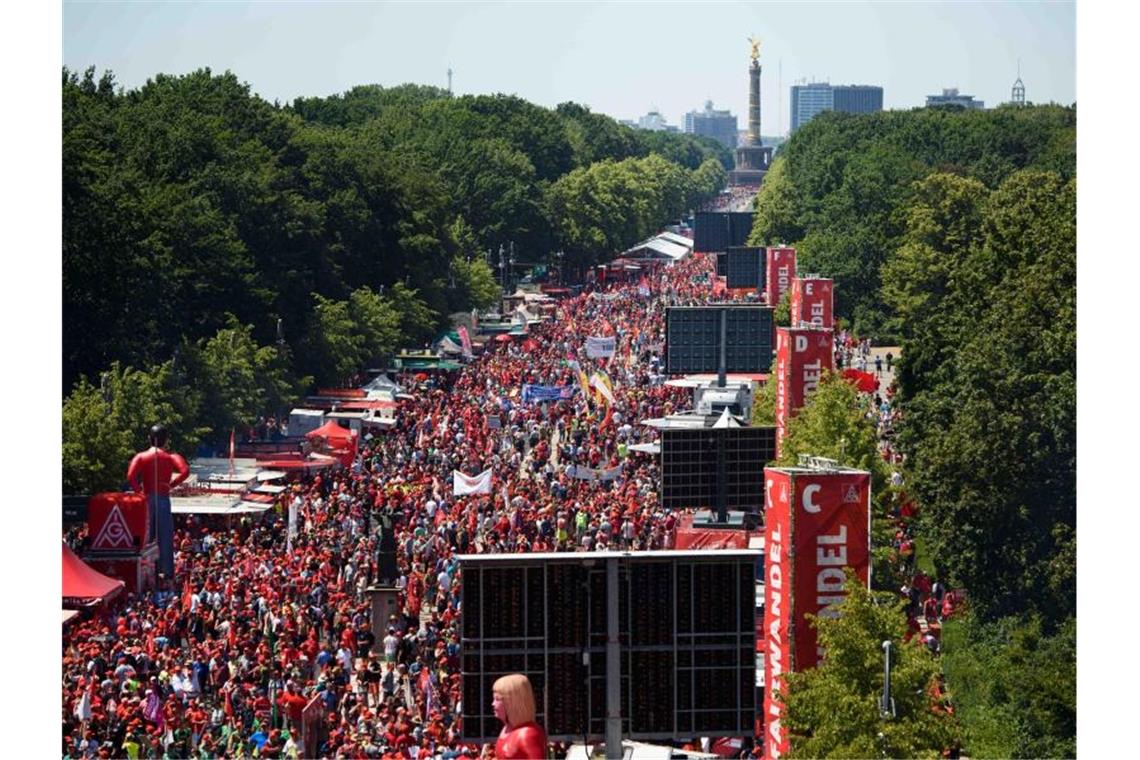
x=513 y=703
x=155 y=472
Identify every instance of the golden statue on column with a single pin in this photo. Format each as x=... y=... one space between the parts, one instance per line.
x=755 y=42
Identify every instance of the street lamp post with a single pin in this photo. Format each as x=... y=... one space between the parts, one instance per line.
x=887 y=702
x=503 y=267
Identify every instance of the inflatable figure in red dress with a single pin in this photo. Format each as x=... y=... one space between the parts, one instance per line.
x=513 y=703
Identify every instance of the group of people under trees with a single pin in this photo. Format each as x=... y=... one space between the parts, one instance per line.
x=258 y=624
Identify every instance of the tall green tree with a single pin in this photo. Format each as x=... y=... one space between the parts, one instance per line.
x=834 y=424
x=377 y=321
x=992 y=442
x=832 y=710
x=239 y=379
x=840 y=187
x=333 y=346
x=104 y=425
x=1014 y=687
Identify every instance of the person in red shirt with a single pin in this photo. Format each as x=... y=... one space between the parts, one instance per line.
x=155 y=472
x=293 y=704
x=513 y=704
x=198 y=719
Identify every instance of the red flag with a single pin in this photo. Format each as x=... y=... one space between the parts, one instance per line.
x=609 y=418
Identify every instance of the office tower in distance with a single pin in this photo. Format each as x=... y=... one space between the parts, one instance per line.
x=808 y=100
x=717 y=124
x=857 y=98
x=655 y=122
x=951 y=97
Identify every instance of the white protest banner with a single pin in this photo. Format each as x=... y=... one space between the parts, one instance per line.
x=590 y=474
x=600 y=348
x=465 y=484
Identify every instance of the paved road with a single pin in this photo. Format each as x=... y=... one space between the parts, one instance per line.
x=887 y=377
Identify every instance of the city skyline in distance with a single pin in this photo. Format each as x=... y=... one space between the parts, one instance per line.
x=618 y=59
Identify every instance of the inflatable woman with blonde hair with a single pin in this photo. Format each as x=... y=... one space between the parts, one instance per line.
x=513 y=703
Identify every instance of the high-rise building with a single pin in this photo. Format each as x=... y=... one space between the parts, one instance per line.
x=809 y=100
x=951 y=97
x=719 y=125
x=857 y=98
x=816 y=97
x=655 y=122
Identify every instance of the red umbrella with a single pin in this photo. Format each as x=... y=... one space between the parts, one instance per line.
x=864 y=381
x=503 y=338
x=420 y=377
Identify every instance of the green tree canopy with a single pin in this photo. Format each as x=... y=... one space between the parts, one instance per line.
x=832 y=710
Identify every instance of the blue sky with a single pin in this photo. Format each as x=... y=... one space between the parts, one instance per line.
x=618 y=58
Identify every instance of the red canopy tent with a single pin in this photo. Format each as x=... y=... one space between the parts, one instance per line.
x=341 y=441
x=83 y=584
x=337 y=436
x=864 y=381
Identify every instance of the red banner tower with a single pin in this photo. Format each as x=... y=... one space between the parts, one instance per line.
x=802 y=354
x=817 y=523
x=811 y=301
x=781 y=272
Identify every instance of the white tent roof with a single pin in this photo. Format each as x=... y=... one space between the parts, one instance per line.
x=673 y=237
x=382 y=383
x=658 y=247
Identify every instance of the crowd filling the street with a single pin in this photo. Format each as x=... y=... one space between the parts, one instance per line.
x=257 y=622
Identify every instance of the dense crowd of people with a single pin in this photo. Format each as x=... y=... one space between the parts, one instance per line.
x=267 y=620
x=271 y=622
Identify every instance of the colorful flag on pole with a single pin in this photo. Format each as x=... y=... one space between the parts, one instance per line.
x=602 y=385
x=465 y=341
x=582 y=379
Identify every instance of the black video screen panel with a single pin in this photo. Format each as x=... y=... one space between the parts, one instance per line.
x=692 y=339
x=745 y=267
x=687 y=642
x=711 y=231
x=689 y=470
x=739 y=227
